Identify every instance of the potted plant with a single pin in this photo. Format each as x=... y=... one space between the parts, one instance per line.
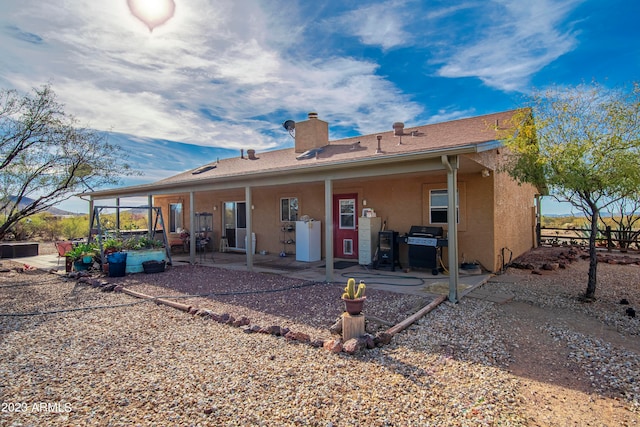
x=111 y=245
x=82 y=255
x=354 y=298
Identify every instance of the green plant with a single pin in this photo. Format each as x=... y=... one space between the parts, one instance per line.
x=141 y=242
x=81 y=250
x=350 y=291
x=112 y=244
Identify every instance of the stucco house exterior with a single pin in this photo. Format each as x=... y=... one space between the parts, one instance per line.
x=405 y=175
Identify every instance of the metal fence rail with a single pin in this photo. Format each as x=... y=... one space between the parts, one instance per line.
x=607 y=237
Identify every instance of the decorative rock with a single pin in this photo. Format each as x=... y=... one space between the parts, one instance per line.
x=334 y=346
x=109 y=287
x=368 y=341
x=382 y=338
x=522 y=266
x=354 y=345
x=271 y=330
x=297 y=336
x=243 y=321
x=317 y=343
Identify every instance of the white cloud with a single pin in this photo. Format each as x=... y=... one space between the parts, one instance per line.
x=520 y=39
x=221 y=73
x=202 y=77
x=380 y=24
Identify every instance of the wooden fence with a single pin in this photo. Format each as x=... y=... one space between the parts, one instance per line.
x=607 y=237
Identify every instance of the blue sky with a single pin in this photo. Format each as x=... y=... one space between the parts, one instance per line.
x=219 y=76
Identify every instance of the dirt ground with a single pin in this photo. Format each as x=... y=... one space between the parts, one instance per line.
x=557 y=389
x=559 y=343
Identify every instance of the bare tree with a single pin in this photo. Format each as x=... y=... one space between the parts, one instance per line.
x=46 y=157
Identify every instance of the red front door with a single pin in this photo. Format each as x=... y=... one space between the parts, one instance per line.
x=345 y=230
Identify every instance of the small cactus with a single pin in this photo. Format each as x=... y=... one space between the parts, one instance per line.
x=350 y=291
x=361 y=288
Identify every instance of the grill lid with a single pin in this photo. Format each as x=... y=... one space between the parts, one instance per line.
x=424 y=231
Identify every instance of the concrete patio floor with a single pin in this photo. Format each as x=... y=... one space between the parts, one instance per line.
x=415 y=281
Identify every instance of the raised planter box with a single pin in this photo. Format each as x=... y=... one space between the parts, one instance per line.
x=136 y=258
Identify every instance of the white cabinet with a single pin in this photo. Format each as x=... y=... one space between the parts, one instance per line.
x=308 y=241
x=368 y=229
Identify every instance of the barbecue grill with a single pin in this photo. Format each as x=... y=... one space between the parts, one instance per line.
x=424 y=246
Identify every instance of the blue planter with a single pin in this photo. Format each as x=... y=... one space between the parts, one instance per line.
x=136 y=258
x=117 y=264
x=80 y=266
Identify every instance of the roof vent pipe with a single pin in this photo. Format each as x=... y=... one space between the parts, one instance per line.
x=378 y=150
x=242 y=153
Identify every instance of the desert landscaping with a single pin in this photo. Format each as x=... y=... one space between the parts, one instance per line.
x=258 y=350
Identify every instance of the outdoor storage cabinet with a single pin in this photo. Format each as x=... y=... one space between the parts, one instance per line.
x=308 y=241
x=368 y=229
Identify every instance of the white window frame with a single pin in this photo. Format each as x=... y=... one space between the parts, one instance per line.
x=292 y=204
x=349 y=215
x=442 y=208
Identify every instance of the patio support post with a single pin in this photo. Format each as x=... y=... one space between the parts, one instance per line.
x=328 y=228
x=118 y=214
x=451 y=164
x=249 y=245
x=192 y=224
x=149 y=216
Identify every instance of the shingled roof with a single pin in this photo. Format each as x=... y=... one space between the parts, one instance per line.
x=432 y=138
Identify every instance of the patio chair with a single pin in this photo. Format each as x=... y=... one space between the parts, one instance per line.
x=63 y=248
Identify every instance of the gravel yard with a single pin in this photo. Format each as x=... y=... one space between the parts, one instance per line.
x=106 y=358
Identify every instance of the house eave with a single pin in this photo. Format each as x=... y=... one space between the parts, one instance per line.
x=312 y=171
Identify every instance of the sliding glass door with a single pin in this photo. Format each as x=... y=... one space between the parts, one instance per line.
x=235 y=224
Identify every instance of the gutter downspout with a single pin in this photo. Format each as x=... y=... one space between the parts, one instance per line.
x=452 y=223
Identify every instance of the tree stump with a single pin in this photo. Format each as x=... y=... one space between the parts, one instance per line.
x=352 y=326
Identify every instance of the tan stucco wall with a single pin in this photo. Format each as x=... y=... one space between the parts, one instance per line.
x=514 y=218
x=402 y=201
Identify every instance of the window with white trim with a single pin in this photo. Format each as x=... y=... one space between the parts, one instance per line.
x=347 y=214
x=439 y=206
x=288 y=209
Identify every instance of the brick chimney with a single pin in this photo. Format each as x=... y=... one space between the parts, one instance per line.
x=312 y=133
